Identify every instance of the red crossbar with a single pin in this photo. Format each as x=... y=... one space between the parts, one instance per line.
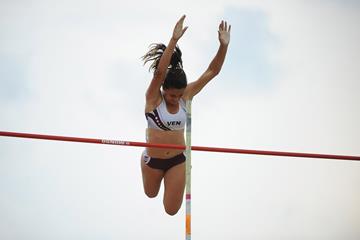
x=173 y=146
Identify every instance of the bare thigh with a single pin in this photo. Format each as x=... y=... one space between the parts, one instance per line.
x=151 y=179
x=174 y=182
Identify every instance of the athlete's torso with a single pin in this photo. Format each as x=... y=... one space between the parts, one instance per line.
x=160 y=118
x=165 y=128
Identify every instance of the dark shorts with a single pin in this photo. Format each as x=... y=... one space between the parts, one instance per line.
x=163 y=164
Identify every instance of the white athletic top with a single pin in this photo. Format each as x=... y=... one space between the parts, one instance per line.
x=161 y=119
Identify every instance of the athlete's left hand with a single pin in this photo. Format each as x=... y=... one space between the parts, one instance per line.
x=224 y=33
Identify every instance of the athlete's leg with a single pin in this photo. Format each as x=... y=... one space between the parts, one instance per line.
x=174 y=182
x=151 y=179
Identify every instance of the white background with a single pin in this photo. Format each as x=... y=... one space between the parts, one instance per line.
x=290 y=83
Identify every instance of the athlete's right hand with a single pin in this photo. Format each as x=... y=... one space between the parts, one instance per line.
x=179 y=30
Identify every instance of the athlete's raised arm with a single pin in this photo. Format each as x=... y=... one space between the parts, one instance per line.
x=160 y=67
x=215 y=65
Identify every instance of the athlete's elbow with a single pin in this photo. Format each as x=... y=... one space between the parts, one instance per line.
x=160 y=72
x=214 y=71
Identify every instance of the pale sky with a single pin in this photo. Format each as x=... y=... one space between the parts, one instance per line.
x=290 y=83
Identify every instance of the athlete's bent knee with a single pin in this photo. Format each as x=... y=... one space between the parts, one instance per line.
x=151 y=194
x=171 y=211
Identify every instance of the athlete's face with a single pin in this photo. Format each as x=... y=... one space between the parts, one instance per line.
x=172 y=95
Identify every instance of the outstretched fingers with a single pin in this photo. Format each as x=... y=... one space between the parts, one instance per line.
x=224 y=32
x=179 y=30
x=223 y=26
x=181 y=20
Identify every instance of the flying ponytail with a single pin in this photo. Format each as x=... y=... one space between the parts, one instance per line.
x=175 y=77
x=156 y=51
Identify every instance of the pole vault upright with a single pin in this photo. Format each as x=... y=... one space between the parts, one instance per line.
x=188 y=172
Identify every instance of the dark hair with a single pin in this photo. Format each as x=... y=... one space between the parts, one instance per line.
x=175 y=76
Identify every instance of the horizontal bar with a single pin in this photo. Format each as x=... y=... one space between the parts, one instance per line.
x=180 y=147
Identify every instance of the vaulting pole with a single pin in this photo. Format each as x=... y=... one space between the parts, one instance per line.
x=188 y=171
